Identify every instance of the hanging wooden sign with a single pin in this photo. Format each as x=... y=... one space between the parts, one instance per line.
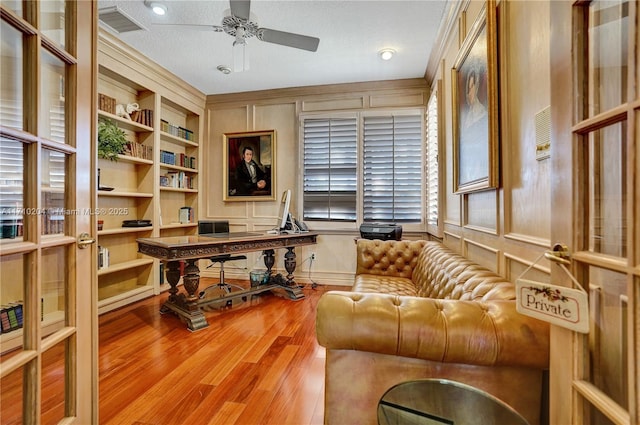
x=558 y=305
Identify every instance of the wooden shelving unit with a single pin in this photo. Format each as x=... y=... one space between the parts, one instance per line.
x=172 y=107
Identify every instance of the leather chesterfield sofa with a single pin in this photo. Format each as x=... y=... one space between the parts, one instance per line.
x=418 y=310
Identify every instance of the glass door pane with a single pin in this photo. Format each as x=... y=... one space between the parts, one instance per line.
x=608 y=341
x=607 y=190
x=11 y=190
x=11 y=82
x=53 y=192
x=608 y=52
x=54 y=288
x=12 y=311
x=52 y=20
x=52 y=92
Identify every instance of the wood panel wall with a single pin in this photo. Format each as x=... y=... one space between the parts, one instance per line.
x=280 y=110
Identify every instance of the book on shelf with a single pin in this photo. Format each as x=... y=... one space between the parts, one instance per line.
x=143 y=116
x=139 y=150
x=103 y=257
x=179 y=159
x=177 y=180
x=106 y=103
x=11 y=316
x=186 y=215
x=176 y=130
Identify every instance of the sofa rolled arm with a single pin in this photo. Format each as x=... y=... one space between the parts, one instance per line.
x=490 y=333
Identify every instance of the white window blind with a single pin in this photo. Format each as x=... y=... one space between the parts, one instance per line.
x=11 y=180
x=330 y=169
x=393 y=168
x=432 y=160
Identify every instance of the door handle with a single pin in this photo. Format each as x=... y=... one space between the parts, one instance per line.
x=84 y=240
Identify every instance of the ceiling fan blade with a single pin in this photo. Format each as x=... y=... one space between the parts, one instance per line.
x=241 y=8
x=288 y=39
x=196 y=27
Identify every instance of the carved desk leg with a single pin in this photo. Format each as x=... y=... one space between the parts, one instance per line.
x=185 y=306
x=290 y=265
x=269 y=259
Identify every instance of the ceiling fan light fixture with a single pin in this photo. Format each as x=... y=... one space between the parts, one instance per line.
x=240 y=57
x=386 y=54
x=157 y=7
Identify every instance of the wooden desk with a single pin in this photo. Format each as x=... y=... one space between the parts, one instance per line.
x=174 y=249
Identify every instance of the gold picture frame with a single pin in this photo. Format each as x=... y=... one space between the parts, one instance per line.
x=475 y=112
x=254 y=182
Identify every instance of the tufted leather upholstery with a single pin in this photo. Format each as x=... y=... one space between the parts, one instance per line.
x=419 y=310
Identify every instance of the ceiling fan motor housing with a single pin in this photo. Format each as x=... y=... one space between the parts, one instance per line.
x=231 y=23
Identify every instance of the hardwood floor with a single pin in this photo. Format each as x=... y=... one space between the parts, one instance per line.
x=257 y=363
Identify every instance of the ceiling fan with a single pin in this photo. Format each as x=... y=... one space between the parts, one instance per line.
x=241 y=24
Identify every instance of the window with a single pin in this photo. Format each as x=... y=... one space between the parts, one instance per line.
x=386 y=156
x=393 y=168
x=433 y=170
x=330 y=169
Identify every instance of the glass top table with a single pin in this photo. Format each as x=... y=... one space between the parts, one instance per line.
x=441 y=401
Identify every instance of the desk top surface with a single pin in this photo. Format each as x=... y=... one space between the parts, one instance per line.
x=201 y=246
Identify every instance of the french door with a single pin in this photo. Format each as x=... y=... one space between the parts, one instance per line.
x=596 y=207
x=48 y=360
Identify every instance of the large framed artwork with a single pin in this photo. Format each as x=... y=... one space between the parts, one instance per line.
x=475 y=111
x=249 y=166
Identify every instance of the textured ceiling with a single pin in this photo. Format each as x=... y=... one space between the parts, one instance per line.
x=350 y=32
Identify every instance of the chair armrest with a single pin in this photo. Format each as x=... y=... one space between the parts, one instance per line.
x=489 y=333
x=387 y=258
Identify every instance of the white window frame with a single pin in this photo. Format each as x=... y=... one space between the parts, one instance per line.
x=437 y=229
x=322 y=225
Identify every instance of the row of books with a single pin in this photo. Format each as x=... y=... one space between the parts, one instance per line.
x=103 y=257
x=106 y=103
x=52 y=221
x=11 y=317
x=143 y=116
x=177 y=179
x=180 y=159
x=139 y=150
x=10 y=229
x=175 y=130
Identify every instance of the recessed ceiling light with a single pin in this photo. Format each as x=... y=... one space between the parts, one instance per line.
x=157 y=7
x=224 y=69
x=386 y=54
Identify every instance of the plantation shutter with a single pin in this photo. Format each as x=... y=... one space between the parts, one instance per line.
x=330 y=169
x=432 y=161
x=393 y=168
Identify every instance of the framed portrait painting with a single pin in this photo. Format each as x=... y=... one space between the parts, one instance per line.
x=249 y=166
x=475 y=112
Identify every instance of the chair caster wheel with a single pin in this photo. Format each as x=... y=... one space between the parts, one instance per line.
x=230 y=303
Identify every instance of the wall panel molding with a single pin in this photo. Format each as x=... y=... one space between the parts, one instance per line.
x=482 y=254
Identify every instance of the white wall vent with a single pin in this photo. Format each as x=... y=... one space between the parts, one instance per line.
x=543 y=134
x=117 y=20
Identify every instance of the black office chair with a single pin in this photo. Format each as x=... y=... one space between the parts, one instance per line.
x=224 y=287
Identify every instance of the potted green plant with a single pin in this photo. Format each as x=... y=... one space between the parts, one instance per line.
x=111 y=140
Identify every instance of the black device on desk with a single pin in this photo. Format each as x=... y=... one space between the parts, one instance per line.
x=383 y=231
x=220 y=229
x=206 y=227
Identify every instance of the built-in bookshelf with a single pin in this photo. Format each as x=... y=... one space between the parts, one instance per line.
x=147 y=189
